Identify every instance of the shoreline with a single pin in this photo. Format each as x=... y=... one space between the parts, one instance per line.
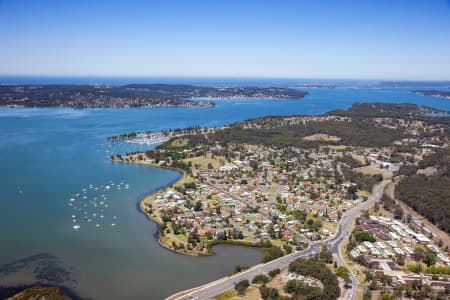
x=203 y=102
x=9 y=291
x=144 y=198
x=207 y=104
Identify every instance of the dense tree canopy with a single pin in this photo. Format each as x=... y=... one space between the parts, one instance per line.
x=429 y=196
x=318 y=270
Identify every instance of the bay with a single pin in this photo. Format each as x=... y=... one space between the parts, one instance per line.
x=49 y=155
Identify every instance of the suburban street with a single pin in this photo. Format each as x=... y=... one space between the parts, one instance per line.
x=215 y=288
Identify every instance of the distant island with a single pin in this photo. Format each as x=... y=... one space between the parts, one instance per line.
x=405 y=84
x=131 y=95
x=318 y=86
x=434 y=93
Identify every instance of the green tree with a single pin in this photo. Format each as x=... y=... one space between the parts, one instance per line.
x=198 y=206
x=287 y=248
x=260 y=279
x=430 y=259
x=272 y=253
x=274 y=272
x=418 y=254
x=343 y=272
x=367 y=295
x=269 y=293
x=326 y=255
x=242 y=286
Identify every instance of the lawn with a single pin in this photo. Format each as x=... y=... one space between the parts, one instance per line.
x=201 y=163
x=371 y=170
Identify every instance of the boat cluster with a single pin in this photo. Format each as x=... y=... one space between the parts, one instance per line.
x=91 y=204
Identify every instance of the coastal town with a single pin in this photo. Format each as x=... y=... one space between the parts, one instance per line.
x=244 y=189
x=132 y=95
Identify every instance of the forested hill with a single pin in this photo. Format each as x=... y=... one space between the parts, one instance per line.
x=132 y=95
x=352 y=127
x=343 y=127
x=429 y=194
x=304 y=132
x=379 y=109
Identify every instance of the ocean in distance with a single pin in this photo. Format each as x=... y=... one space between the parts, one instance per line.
x=49 y=155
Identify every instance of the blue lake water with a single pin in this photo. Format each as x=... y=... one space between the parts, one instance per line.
x=47 y=156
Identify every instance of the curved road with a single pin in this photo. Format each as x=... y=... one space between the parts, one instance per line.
x=217 y=287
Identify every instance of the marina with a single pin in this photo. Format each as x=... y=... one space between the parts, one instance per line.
x=149 y=139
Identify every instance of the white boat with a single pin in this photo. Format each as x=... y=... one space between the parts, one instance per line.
x=76 y=227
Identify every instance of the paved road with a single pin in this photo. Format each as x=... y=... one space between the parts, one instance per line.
x=208 y=291
x=345 y=227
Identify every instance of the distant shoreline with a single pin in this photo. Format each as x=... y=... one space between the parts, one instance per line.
x=433 y=93
x=132 y=95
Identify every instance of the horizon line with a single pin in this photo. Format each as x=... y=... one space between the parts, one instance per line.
x=220 y=77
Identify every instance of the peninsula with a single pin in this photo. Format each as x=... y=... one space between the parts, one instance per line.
x=285 y=179
x=132 y=95
x=293 y=185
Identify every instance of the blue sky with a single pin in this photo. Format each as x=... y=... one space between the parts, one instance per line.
x=229 y=38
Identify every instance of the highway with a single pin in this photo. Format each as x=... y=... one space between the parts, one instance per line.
x=217 y=287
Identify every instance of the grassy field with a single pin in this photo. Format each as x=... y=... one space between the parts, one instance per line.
x=330 y=226
x=252 y=293
x=179 y=142
x=202 y=163
x=362 y=193
x=359 y=158
x=185 y=179
x=320 y=137
x=227 y=295
x=371 y=170
x=335 y=147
